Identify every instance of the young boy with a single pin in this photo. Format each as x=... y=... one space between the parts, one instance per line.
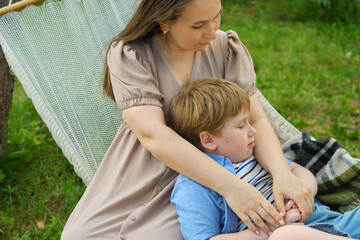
x=213 y=114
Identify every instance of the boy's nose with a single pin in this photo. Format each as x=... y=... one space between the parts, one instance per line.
x=252 y=131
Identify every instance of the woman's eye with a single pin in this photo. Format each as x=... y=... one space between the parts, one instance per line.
x=242 y=126
x=196 y=27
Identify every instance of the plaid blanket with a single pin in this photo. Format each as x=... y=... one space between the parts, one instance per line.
x=337 y=173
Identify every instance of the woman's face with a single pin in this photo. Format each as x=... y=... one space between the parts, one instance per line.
x=196 y=27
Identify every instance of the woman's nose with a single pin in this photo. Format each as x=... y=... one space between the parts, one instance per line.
x=211 y=31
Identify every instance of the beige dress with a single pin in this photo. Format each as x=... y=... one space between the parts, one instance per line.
x=129 y=196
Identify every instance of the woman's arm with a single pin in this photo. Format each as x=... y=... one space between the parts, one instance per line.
x=148 y=124
x=269 y=153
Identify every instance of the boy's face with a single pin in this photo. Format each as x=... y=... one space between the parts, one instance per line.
x=236 y=140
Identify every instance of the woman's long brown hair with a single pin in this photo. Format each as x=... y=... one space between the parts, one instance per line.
x=145 y=24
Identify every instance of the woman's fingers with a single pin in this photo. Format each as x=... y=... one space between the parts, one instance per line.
x=305 y=206
x=248 y=222
x=262 y=217
x=259 y=222
x=269 y=213
x=305 y=202
x=297 y=191
x=252 y=208
x=279 y=203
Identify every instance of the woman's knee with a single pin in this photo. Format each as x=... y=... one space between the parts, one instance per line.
x=292 y=232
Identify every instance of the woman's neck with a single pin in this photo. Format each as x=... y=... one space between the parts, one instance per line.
x=170 y=49
x=181 y=61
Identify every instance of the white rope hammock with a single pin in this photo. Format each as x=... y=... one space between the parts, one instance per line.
x=57 y=52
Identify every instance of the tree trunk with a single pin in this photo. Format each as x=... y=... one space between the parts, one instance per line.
x=6 y=92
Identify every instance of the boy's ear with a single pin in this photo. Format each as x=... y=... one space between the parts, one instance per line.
x=207 y=141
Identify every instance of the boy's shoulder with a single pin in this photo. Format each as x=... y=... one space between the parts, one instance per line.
x=183 y=182
x=186 y=185
x=188 y=191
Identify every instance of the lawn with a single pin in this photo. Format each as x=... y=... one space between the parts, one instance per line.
x=308 y=70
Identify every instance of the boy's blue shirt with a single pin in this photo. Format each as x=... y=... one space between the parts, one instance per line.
x=200 y=208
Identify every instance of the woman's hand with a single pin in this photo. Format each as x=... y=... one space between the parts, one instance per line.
x=288 y=186
x=269 y=154
x=251 y=207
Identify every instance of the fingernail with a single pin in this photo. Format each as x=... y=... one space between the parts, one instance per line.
x=281 y=213
x=270 y=233
x=282 y=222
x=257 y=233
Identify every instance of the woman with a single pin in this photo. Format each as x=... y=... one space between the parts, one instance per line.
x=166 y=44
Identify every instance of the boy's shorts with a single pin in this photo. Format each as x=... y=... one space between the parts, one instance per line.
x=341 y=224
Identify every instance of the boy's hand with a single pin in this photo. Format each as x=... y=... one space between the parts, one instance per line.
x=289 y=204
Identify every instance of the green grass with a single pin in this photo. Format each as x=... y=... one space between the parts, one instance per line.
x=43 y=190
x=308 y=70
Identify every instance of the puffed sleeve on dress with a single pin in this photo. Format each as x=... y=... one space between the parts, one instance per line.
x=132 y=78
x=239 y=66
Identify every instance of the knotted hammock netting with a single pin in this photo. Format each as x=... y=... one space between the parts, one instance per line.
x=57 y=52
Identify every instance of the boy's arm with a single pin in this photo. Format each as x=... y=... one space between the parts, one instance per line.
x=305 y=175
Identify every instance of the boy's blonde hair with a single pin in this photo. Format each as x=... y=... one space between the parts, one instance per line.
x=205 y=105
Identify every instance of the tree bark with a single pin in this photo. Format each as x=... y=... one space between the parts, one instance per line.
x=6 y=93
